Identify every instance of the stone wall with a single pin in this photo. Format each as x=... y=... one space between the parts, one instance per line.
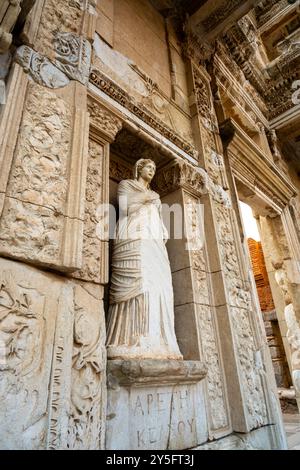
x=86 y=74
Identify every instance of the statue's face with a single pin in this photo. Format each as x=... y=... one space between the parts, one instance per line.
x=147 y=172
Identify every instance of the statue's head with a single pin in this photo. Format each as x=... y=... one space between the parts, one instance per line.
x=145 y=169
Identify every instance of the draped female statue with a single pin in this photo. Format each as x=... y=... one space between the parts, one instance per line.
x=141 y=312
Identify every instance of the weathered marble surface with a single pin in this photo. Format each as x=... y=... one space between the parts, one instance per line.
x=154 y=406
x=52 y=361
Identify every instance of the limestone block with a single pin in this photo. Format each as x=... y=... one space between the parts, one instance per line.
x=259 y=439
x=187 y=333
x=155 y=405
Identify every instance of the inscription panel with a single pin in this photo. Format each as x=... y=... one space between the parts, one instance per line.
x=168 y=417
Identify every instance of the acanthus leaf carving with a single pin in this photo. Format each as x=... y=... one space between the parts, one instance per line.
x=103 y=120
x=181 y=174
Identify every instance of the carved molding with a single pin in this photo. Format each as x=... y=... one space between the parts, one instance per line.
x=247 y=158
x=140 y=372
x=113 y=90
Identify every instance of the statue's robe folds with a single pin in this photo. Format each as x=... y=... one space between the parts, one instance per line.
x=141 y=312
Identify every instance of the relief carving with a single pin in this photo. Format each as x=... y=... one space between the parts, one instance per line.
x=86 y=420
x=181 y=175
x=32 y=219
x=92 y=245
x=109 y=87
x=27 y=323
x=58 y=15
x=73 y=56
x=241 y=307
x=211 y=356
x=40 y=68
x=103 y=120
x=21 y=328
x=207 y=327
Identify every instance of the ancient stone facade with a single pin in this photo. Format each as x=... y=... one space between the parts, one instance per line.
x=208 y=91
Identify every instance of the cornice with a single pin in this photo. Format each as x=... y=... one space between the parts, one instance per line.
x=244 y=153
x=114 y=91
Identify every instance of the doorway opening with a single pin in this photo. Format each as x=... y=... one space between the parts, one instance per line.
x=270 y=315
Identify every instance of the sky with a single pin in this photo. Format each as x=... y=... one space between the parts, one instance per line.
x=249 y=221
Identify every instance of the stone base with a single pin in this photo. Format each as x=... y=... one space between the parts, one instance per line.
x=155 y=404
x=258 y=439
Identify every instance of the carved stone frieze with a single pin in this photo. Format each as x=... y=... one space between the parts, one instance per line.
x=43 y=208
x=119 y=171
x=252 y=379
x=109 y=87
x=28 y=311
x=220 y=195
x=220 y=14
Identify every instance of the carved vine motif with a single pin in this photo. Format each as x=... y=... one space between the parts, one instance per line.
x=94 y=197
x=118 y=171
x=207 y=328
x=214 y=375
x=220 y=14
x=85 y=421
x=241 y=307
x=255 y=400
x=20 y=329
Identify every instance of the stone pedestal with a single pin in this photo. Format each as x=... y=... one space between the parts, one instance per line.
x=155 y=404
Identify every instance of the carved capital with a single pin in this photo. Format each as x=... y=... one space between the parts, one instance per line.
x=181 y=175
x=103 y=120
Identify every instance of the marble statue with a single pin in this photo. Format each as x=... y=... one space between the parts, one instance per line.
x=141 y=312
